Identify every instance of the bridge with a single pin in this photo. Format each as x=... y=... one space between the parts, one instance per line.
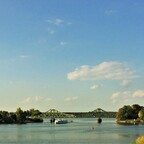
x=55 y=113
x=98 y=110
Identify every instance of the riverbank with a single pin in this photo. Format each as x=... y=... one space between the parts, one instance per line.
x=92 y=114
x=27 y=120
x=130 y=122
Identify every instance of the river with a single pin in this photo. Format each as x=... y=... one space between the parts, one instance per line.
x=80 y=131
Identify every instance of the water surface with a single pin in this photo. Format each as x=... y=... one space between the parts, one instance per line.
x=81 y=131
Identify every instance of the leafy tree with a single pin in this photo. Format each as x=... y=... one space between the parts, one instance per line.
x=6 y=117
x=34 y=113
x=20 y=115
x=130 y=112
x=13 y=117
x=126 y=112
x=136 y=109
x=141 y=114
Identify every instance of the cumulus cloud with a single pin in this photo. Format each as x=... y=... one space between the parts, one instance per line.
x=125 y=83
x=56 y=21
x=35 y=99
x=71 y=98
x=138 y=93
x=54 y=24
x=126 y=96
x=38 y=98
x=27 y=100
x=51 y=31
x=111 y=70
x=120 y=96
x=94 y=87
x=63 y=43
x=116 y=95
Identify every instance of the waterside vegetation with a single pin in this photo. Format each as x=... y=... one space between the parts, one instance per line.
x=33 y=115
x=20 y=116
x=133 y=114
x=126 y=115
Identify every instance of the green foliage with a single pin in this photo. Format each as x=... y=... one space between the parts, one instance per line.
x=33 y=113
x=19 y=116
x=6 y=117
x=128 y=112
x=141 y=114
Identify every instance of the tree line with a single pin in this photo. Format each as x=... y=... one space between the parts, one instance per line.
x=93 y=114
x=127 y=112
x=20 y=116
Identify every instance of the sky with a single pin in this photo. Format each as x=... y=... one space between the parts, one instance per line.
x=71 y=55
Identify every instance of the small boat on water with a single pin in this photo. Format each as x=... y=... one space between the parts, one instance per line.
x=60 y=121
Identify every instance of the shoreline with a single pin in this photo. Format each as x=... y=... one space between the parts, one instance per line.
x=130 y=122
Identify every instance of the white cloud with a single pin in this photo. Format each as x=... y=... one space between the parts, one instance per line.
x=120 y=96
x=94 y=87
x=63 y=43
x=125 y=83
x=71 y=98
x=127 y=96
x=51 y=31
x=111 y=70
x=23 y=56
x=138 y=93
x=35 y=99
x=56 y=21
x=116 y=95
x=27 y=100
x=38 y=98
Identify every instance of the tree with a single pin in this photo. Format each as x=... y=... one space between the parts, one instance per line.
x=21 y=116
x=141 y=114
x=136 y=109
x=126 y=112
x=13 y=117
x=33 y=112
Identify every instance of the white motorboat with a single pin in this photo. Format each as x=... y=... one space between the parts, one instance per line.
x=60 y=121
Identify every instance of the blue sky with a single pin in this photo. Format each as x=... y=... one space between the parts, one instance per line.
x=71 y=55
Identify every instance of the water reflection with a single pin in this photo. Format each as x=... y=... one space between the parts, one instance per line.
x=79 y=132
